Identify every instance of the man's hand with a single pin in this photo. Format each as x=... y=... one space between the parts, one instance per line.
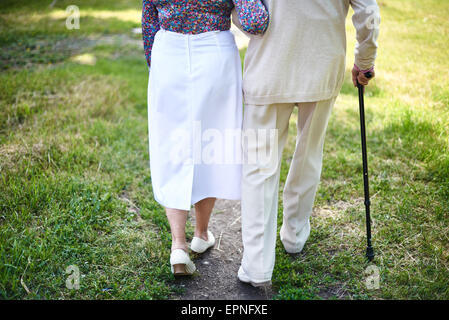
x=357 y=74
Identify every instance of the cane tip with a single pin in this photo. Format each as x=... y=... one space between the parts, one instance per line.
x=370 y=253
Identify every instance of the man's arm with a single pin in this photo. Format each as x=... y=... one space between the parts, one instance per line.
x=366 y=20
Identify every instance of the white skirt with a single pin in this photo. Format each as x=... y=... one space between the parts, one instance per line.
x=195 y=118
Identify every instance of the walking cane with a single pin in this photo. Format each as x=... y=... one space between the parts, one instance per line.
x=369 y=248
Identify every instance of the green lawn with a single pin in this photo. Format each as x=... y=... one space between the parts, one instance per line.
x=75 y=186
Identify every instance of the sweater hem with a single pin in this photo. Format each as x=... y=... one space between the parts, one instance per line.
x=289 y=98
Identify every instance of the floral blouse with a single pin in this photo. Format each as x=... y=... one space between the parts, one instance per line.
x=197 y=16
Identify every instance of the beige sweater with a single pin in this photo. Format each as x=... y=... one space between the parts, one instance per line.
x=301 y=57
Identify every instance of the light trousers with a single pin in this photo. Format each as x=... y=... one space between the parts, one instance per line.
x=260 y=183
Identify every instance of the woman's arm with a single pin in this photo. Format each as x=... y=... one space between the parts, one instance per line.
x=150 y=25
x=252 y=15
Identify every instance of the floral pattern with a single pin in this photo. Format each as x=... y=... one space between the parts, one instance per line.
x=197 y=16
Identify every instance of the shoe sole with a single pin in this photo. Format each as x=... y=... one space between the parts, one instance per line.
x=180 y=270
x=257 y=285
x=199 y=252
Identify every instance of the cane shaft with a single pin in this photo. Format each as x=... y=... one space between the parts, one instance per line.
x=369 y=249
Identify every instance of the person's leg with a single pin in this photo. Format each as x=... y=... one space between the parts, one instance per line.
x=177 y=219
x=265 y=131
x=203 y=210
x=304 y=173
x=179 y=258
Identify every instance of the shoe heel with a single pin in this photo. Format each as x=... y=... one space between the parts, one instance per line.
x=179 y=269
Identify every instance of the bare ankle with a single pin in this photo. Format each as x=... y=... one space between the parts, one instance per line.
x=201 y=235
x=182 y=246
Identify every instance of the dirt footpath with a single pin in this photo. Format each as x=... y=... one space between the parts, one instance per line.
x=216 y=277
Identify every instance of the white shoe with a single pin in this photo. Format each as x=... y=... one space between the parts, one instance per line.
x=181 y=265
x=244 y=278
x=199 y=245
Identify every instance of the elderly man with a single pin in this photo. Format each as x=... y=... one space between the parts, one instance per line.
x=299 y=62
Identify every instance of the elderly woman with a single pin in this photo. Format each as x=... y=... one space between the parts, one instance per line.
x=194 y=103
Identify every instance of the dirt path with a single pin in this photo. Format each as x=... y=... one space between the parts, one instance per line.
x=217 y=269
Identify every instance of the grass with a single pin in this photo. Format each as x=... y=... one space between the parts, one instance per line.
x=408 y=145
x=75 y=186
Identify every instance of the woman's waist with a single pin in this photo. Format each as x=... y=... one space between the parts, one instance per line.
x=197 y=35
x=196 y=31
x=213 y=38
x=194 y=23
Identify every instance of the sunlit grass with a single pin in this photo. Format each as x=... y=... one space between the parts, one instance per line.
x=75 y=186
